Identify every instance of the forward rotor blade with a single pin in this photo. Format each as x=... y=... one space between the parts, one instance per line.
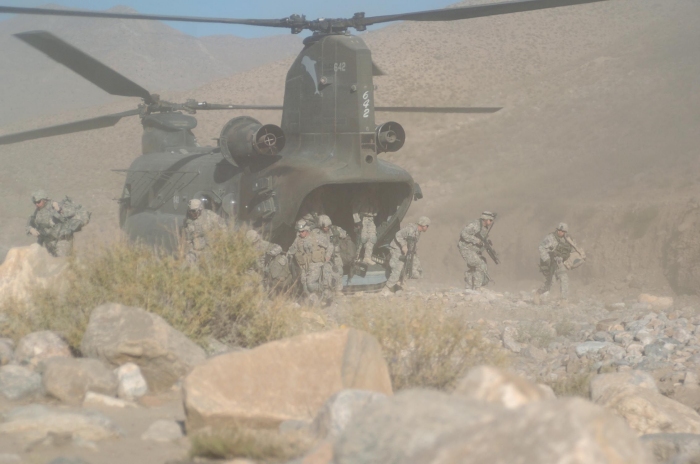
x=69 y=128
x=473 y=11
x=436 y=109
x=217 y=106
x=103 y=14
x=88 y=67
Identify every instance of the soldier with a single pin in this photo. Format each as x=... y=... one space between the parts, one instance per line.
x=471 y=246
x=311 y=252
x=261 y=246
x=365 y=210
x=399 y=250
x=335 y=234
x=555 y=249
x=312 y=208
x=198 y=224
x=54 y=223
x=277 y=275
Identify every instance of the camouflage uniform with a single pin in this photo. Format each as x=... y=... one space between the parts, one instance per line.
x=335 y=234
x=311 y=254
x=471 y=248
x=261 y=247
x=400 y=242
x=364 y=211
x=54 y=224
x=197 y=229
x=554 y=251
x=276 y=275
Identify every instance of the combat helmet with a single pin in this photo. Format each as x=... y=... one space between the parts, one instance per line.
x=423 y=221
x=488 y=215
x=274 y=250
x=195 y=205
x=39 y=195
x=563 y=227
x=302 y=225
x=324 y=221
x=252 y=236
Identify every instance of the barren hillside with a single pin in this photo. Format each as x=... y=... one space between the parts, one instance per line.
x=601 y=104
x=155 y=55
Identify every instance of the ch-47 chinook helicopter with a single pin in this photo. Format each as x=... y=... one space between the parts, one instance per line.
x=325 y=154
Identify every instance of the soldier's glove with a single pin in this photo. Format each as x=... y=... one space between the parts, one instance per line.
x=33 y=231
x=404 y=250
x=559 y=260
x=56 y=206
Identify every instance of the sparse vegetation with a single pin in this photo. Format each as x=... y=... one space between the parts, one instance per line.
x=578 y=384
x=425 y=344
x=241 y=442
x=217 y=297
x=536 y=333
x=565 y=328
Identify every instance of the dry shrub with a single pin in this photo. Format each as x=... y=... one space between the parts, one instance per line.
x=536 y=333
x=425 y=343
x=217 y=297
x=578 y=384
x=241 y=442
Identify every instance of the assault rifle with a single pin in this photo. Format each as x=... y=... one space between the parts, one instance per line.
x=407 y=270
x=488 y=245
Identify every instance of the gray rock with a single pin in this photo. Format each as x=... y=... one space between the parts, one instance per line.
x=340 y=408
x=69 y=379
x=590 y=347
x=509 y=337
x=7 y=351
x=406 y=425
x=119 y=334
x=673 y=448
x=35 y=422
x=39 y=346
x=163 y=431
x=131 y=382
x=645 y=337
x=601 y=336
x=623 y=338
x=500 y=387
x=17 y=382
x=601 y=383
x=427 y=427
x=657 y=350
x=556 y=431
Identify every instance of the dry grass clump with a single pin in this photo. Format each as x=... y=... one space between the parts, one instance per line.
x=578 y=384
x=240 y=442
x=536 y=333
x=425 y=343
x=217 y=297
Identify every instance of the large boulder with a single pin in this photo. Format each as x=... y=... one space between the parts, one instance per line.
x=568 y=430
x=645 y=409
x=69 y=379
x=27 y=267
x=675 y=448
x=408 y=424
x=118 y=334
x=40 y=346
x=283 y=380
x=35 y=422
x=494 y=385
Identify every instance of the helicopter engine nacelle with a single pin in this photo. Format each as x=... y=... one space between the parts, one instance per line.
x=390 y=137
x=244 y=137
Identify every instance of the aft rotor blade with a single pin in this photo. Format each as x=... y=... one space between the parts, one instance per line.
x=436 y=109
x=88 y=67
x=103 y=14
x=69 y=128
x=217 y=106
x=473 y=11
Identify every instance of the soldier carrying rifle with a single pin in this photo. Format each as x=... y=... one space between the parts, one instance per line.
x=400 y=258
x=555 y=251
x=472 y=242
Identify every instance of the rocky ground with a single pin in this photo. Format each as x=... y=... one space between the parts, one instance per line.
x=607 y=378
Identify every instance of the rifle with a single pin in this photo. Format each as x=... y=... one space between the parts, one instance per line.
x=408 y=259
x=488 y=245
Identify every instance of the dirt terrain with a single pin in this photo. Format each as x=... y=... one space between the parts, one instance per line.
x=598 y=129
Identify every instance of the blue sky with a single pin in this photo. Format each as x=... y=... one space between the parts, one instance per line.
x=262 y=9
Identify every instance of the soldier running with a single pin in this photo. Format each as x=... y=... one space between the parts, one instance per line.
x=399 y=251
x=199 y=223
x=471 y=246
x=555 y=250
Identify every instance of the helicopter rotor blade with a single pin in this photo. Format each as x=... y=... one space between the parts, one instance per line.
x=437 y=109
x=69 y=128
x=285 y=22
x=198 y=106
x=473 y=11
x=83 y=64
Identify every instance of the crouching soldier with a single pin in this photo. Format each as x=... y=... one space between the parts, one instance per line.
x=555 y=250
x=403 y=248
x=54 y=223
